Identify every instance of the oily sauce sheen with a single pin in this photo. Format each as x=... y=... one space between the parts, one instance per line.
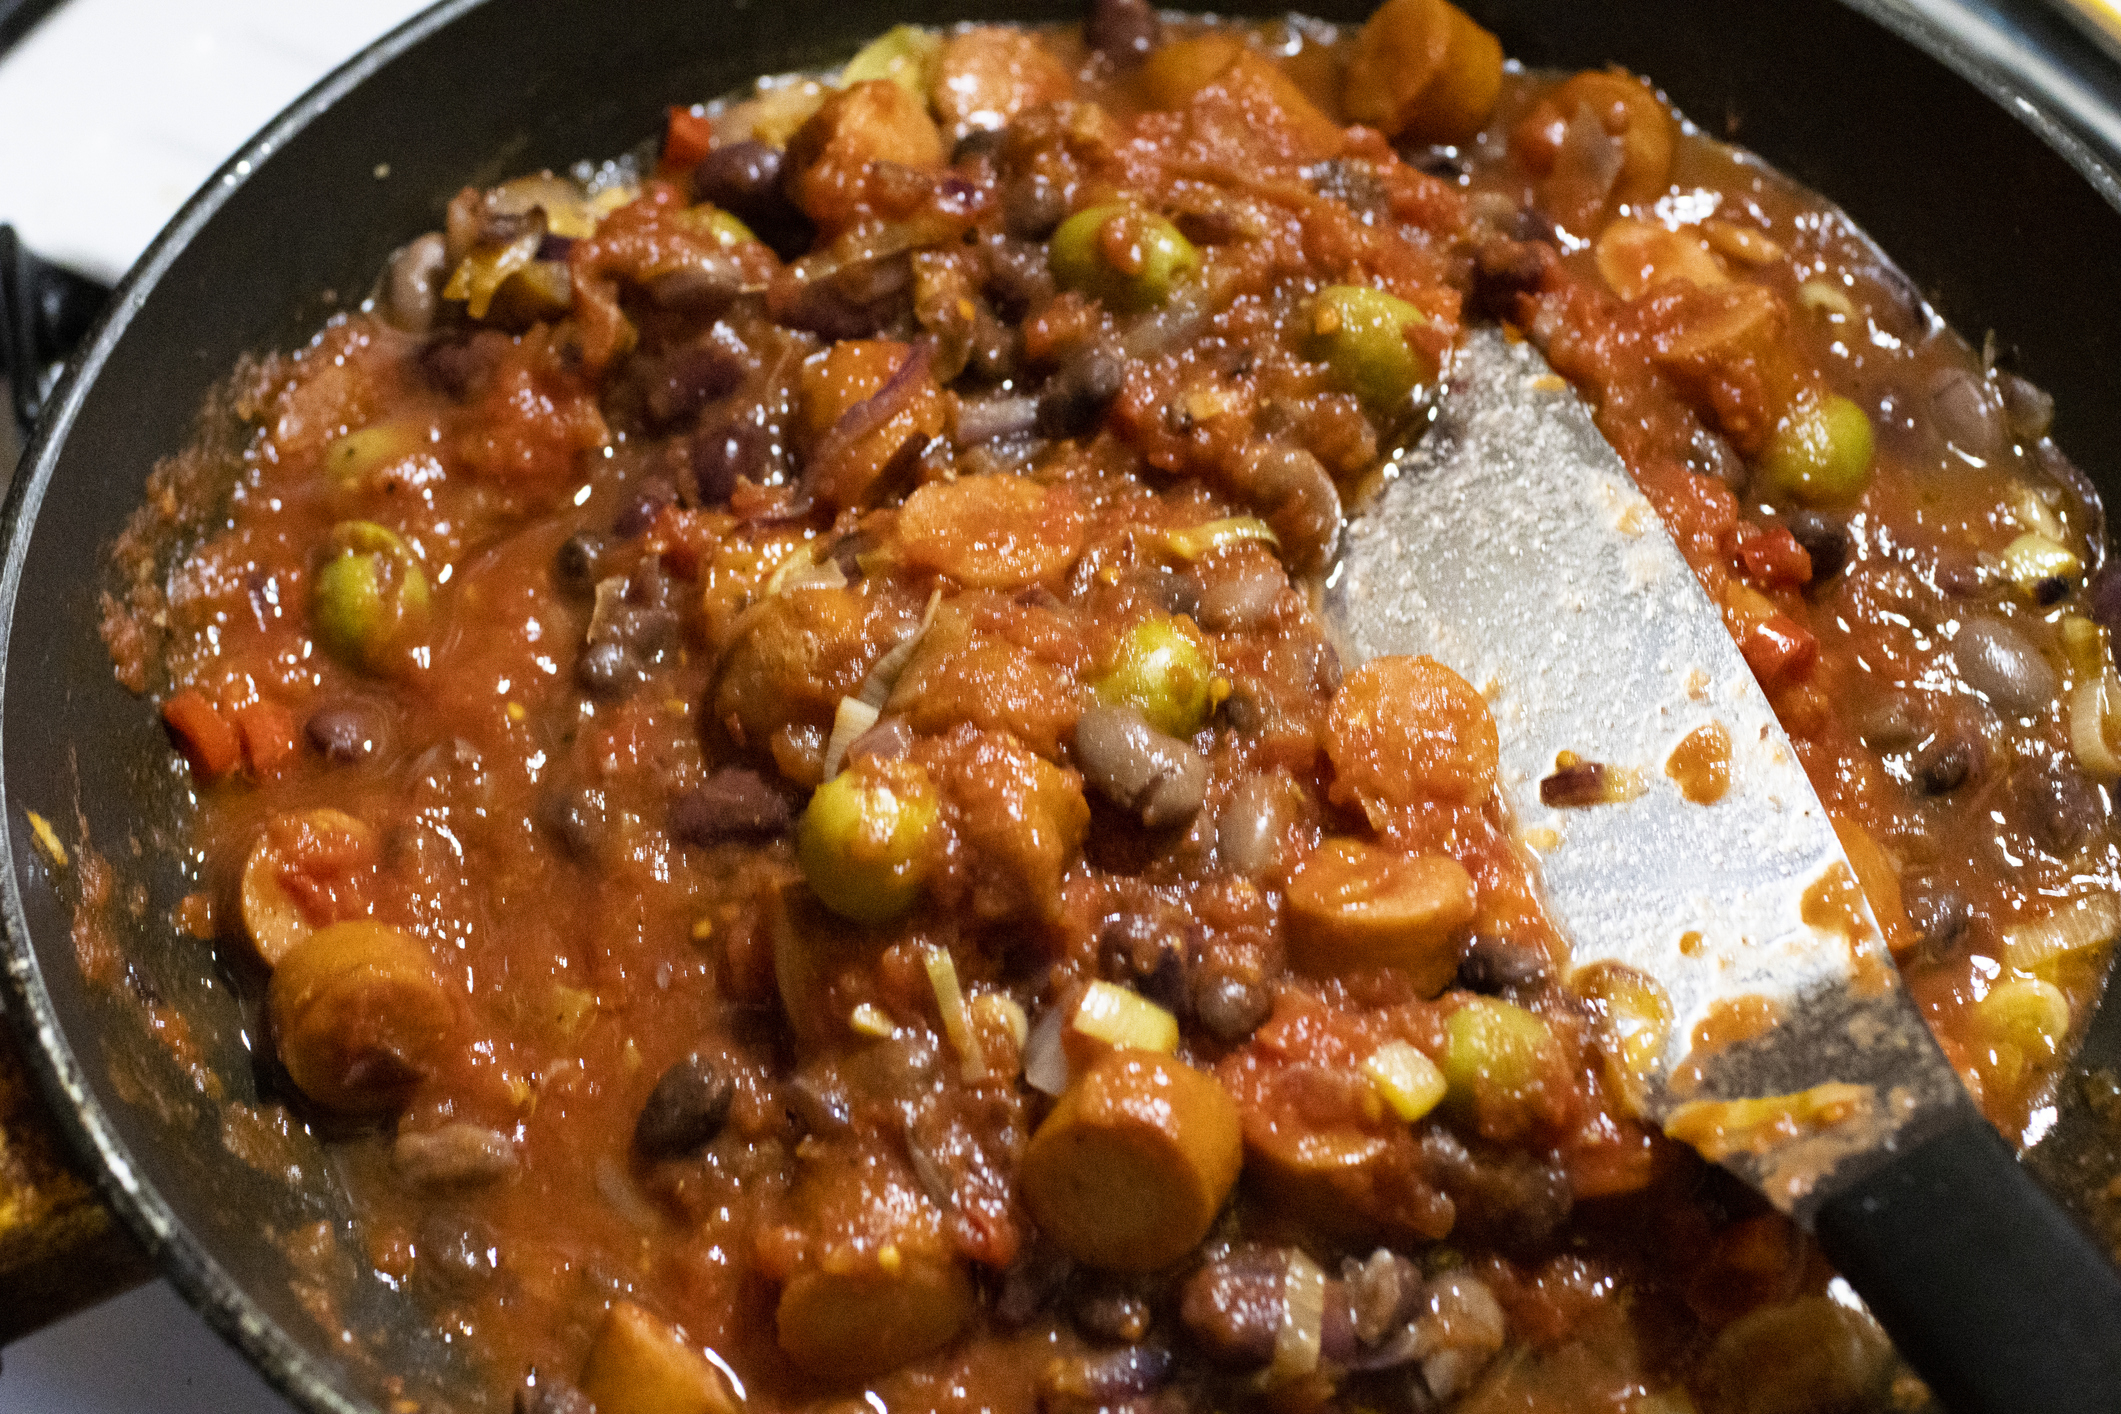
x=759 y=725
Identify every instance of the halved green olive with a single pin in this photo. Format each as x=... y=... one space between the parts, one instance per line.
x=864 y=840
x=1360 y=334
x=1819 y=454
x=370 y=599
x=1127 y=257
x=1164 y=669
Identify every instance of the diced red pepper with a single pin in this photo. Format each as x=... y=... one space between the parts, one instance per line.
x=1771 y=555
x=268 y=732
x=686 y=141
x=203 y=734
x=1779 y=650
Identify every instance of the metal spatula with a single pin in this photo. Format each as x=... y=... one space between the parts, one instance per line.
x=1511 y=544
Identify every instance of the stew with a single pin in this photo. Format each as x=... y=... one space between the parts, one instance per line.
x=759 y=726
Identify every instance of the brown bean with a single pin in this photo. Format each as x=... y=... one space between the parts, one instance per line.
x=1295 y=493
x=1124 y=31
x=1998 y=660
x=345 y=732
x=733 y=804
x=1138 y=768
x=1254 y=820
x=455 y=1153
x=1231 y=1005
x=412 y=287
x=685 y=1110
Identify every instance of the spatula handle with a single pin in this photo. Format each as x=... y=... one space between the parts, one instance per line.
x=1990 y=1290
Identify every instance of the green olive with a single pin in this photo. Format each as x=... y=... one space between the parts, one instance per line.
x=370 y=598
x=1164 y=669
x=1819 y=454
x=863 y=841
x=1492 y=1049
x=1360 y=334
x=351 y=458
x=1120 y=254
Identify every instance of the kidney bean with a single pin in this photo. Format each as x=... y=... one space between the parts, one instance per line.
x=1138 y=768
x=1150 y=954
x=1018 y=279
x=1293 y=491
x=1824 y=538
x=1999 y=661
x=1233 y=1308
x=640 y=508
x=1032 y=205
x=1254 y=818
x=1947 y=762
x=718 y=456
x=1940 y=915
x=686 y=379
x=2057 y=802
x=1106 y=1313
x=1243 y=597
x=685 y=1110
x=1503 y=1196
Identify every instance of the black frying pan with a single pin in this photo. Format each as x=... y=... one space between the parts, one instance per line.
x=1987 y=193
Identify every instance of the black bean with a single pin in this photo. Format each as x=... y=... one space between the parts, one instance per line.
x=996 y=352
x=1111 y=1314
x=1074 y=399
x=734 y=804
x=2102 y=597
x=345 y=732
x=1968 y=410
x=1018 y=279
x=975 y=145
x=1124 y=31
x=1494 y=965
x=2030 y=408
x=1502 y=1195
x=1946 y=762
x=1138 y=768
x=1708 y=454
x=1149 y=954
x=2060 y=807
x=412 y=287
x=608 y=668
x=1032 y=205
x=647 y=631
x=1940 y=916
x=1231 y=1005
x=579 y=563
x=1824 y=538
x=547 y=1394
x=1233 y=1308
x=1029 y=1283
x=685 y=1110
x=641 y=506
x=746 y=179
x=576 y=818
x=719 y=456
x=688 y=378
x=2000 y=662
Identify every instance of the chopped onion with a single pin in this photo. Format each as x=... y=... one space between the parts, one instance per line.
x=872 y=1020
x=876 y=688
x=1303 y=1321
x=993 y=419
x=957 y=1021
x=1045 y=1061
x=1197 y=540
x=1125 y=1020
x=2075 y=927
x=1817 y=295
x=852 y=719
x=2092 y=708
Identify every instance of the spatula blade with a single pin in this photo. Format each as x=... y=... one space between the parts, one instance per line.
x=1511 y=544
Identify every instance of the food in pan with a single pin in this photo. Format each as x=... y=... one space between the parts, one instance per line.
x=760 y=727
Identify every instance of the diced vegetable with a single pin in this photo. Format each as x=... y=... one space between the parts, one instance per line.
x=2041 y=568
x=1130 y=1168
x=480 y=275
x=957 y=1018
x=353 y=457
x=687 y=139
x=2085 y=644
x=370 y=599
x=905 y=54
x=1354 y=905
x=643 y=1365
x=268 y=733
x=864 y=840
x=1165 y=669
x=1194 y=541
x=1300 y=1338
x=359 y=1016
x=832 y=160
x=1127 y=257
x=849 y=720
x=1494 y=1049
x=1634 y=255
x=2075 y=927
x=2025 y=1012
x=206 y=737
x=321 y=849
x=1360 y=334
x=1423 y=71
x=1819 y=454
x=871 y=1020
x=2095 y=724
x=1637 y=1025
x=1123 y=1019
x=1408 y=1080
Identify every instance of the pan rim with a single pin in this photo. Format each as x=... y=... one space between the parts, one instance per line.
x=59 y=1074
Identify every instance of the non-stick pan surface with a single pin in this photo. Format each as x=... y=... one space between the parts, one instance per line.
x=2002 y=216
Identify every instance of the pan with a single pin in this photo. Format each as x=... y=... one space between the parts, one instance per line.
x=1993 y=180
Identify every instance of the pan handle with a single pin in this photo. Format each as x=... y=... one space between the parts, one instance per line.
x=1988 y=1288
x=44 y=311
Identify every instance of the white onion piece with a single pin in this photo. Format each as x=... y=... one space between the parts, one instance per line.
x=876 y=688
x=1303 y=1321
x=2092 y=705
x=1045 y=1063
x=2087 y=923
x=852 y=719
x=957 y=1019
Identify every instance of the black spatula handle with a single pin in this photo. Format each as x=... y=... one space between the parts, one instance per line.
x=1989 y=1289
